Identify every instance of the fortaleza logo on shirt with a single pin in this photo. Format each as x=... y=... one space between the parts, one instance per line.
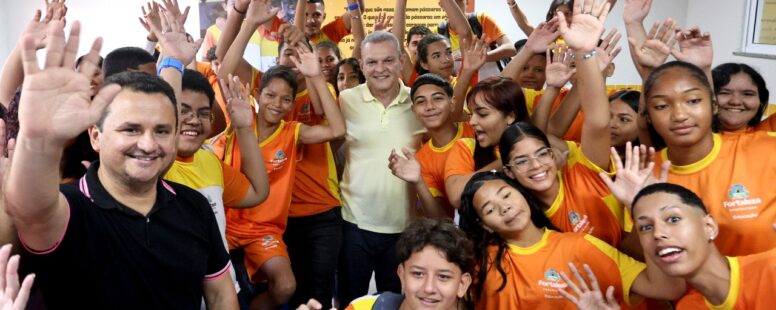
x=580 y=223
x=279 y=159
x=551 y=280
x=740 y=205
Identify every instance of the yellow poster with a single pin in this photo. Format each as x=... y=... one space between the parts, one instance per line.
x=418 y=12
x=767 y=23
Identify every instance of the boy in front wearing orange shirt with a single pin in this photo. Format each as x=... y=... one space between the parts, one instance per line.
x=432 y=99
x=258 y=230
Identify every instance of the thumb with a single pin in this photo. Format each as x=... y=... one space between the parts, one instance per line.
x=562 y=22
x=408 y=154
x=101 y=100
x=607 y=179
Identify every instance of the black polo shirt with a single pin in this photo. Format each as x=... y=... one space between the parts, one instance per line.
x=112 y=257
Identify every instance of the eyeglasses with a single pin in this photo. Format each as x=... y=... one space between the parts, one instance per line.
x=543 y=156
x=203 y=115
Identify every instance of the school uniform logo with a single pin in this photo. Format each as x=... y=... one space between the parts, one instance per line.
x=580 y=223
x=305 y=114
x=574 y=217
x=740 y=205
x=551 y=283
x=552 y=275
x=279 y=160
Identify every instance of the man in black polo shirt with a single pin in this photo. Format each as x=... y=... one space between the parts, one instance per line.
x=120 y=237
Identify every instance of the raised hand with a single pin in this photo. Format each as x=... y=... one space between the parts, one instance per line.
x=406 y=168
x=474 y=56
x=558 y=70
x=542 y=36
x=694 y=47
x=635 y=174
x=608 y=49
x=173 y=10
x=291 y=34
x=588 y=298
x=260 y=11
x=236 y=96
x=56 y=10
x=382 y=21
x=586 y=26
x=306 y=62
x=55 y=104
x=150 y=17
x=173 y=40
x=636 y=10
x=12 y=297
x=655 y=50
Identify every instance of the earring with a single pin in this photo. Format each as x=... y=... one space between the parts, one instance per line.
x=711 y=238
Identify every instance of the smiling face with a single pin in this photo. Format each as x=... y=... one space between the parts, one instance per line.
x=430 y=281
x=488 y=122
x=195 y=122
x=622 y=123
x=381 y=65
x=675 y=234
x=532 y=164
x=432 y=106
x=328 y=61
x=347 y=77
x=738 y=102
x=439 y=59
x=314 y=13
x=532 y=76
x=502 y=209
x=680 y=108
x=276 y=101
x=137 y=142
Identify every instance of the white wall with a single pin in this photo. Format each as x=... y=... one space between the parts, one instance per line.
x=724 y=19
x=537 y=10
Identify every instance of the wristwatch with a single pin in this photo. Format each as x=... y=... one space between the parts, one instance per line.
x=169 y=62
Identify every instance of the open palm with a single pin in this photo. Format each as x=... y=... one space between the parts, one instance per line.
x=407 y=169
x=586 y=26
x=694 y=47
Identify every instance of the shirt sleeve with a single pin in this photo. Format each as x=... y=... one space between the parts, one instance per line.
x=460 y=161
x=335 y=30
x=490 y=29
x=627 y=267
x=236 y=185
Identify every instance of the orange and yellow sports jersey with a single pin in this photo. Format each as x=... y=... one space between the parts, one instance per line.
x=533 y=273
x=334 y=31
x=206 y=69
x=316 y=186
x=735 y=182
x=584 y=203
x=460 y=160
x=532 y=98
x=768 y=125
x=279 y=152
x=751 y=285
x=256 y=76
x=432 y=164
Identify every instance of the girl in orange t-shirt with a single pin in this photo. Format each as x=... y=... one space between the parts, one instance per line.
x=742 y=98
x=519 y=257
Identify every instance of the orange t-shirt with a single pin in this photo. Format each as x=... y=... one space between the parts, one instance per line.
x=574 y=133
x=460 y=160
x=751 y=285
x=316 y=186
x=206 y=69
x=768 y=124
x=334 y=31
x=279 y=152
x=533 y=273
x=735 y=182
x=432 y=164
x=584 y=202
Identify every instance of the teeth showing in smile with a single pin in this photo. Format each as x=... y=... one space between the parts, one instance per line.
x=189 y=133
x=539 y=176
x=143 y=158
x=668 y=251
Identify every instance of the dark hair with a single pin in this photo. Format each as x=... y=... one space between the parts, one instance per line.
x=125 y=58
x=140 y=82
x=330 y=45
x=516 y=133
x=12 y=116
x=70 y=166
x=507 y=97
x=443 y=235
x=417 y=30
x=196 y=82
x=695 y=73
x=430 y=78
x=211 y=54
x=471 y=224
x=685 y=195
x=356 y=68
x=520 y=43
x=554 y=6
x=630 y=97
x=423 y=50
x=722 y=74
x=82 y=57
x=280 y=72
x=283 y=44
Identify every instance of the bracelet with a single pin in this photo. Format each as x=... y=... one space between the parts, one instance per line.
x=589 y=55
x=354 y=16
x=353 y=7
x=234 y=6
x=169 y=62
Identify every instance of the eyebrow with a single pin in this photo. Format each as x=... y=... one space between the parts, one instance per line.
x=662 y=209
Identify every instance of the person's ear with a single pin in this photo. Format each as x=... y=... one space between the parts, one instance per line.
x=463 y=287
x=508 y=172
x=486 y=228
x=511 y=118
x=710 y=227
x=94 y=137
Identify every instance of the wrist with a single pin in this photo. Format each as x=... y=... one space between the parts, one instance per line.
x=170 y=63
x=152 y=38
x=238 y=10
